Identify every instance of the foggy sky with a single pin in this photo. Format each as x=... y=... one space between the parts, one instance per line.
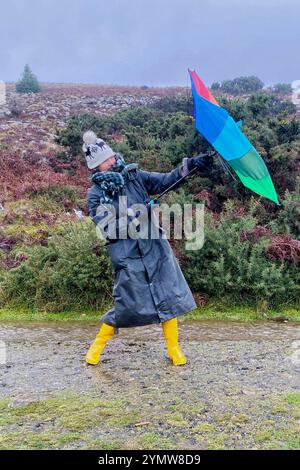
x=150 y=42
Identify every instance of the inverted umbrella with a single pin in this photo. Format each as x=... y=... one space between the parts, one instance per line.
x=224 y=134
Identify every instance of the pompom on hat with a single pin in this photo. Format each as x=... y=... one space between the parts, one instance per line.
x=96 y=150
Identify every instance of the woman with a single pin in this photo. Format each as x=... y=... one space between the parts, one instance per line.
x=149 y=285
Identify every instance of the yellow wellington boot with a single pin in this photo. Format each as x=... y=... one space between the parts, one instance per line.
x=106 y=332
x=170 y=329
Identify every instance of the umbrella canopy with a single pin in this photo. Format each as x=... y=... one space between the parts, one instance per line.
x=224 y=134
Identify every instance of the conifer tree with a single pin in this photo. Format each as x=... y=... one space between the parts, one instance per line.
x=28 y=82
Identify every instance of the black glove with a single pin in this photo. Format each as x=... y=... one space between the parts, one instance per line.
x=202 y=162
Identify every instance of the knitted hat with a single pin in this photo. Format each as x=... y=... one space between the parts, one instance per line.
x=95 y=149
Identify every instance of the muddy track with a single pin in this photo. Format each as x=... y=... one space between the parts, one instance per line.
x=232 y=368
x=42 y=358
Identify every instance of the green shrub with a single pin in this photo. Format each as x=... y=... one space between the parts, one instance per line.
x=57 y=193
x=173 y=104
x=282 y=88
x=238 y=85
x=230 y=264
x=288 y=218
x=72 y=271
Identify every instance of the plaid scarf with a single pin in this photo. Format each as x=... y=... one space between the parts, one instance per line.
x=112 y=182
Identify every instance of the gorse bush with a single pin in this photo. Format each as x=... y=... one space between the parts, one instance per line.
x=238 y=266
x=288 y=219
x=73 y=270
x=159 y=136
x=239 y=259
x=239 y=85
x=174 y=104
x=282 y=88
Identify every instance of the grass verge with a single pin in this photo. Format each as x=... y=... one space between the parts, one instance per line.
x=87 y=422
x=212 y=311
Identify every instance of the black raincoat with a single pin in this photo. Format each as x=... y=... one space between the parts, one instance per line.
x=149 y=285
